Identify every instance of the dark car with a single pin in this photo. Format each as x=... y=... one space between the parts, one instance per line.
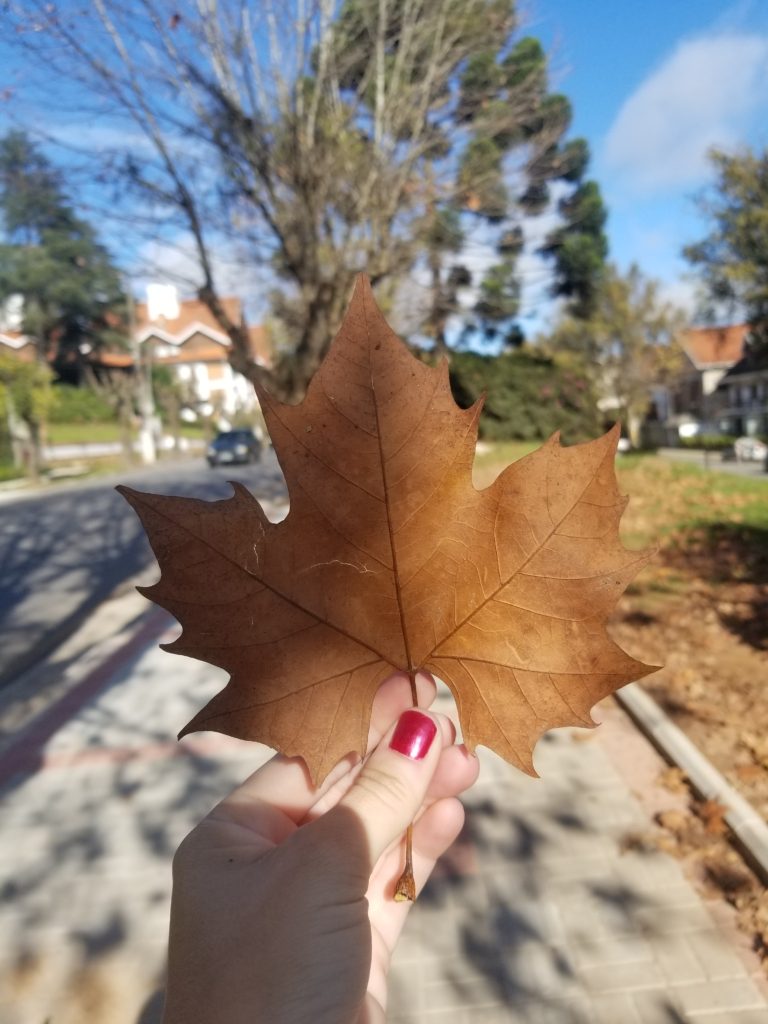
x=232 y=446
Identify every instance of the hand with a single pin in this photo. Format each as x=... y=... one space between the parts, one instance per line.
x=282 y=907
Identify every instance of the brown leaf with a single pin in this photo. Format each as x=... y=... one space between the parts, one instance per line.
x=713 y=814
x=390 y=559
x=674 y=779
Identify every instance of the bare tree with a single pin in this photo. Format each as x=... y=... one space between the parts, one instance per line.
x=318 y=137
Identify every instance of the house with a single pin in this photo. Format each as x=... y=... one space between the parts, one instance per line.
x=742 y=397
x=19 y=345
x=179 y=333
x=708 y=353
x=12 y=339
x=185 y=336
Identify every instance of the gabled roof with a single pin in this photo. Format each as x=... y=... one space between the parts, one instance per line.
x=15 y=339
x=209 y=352
x=192 y=312
x=195 y=318
x=752 y=362
x=714 y=347
x=152 y=330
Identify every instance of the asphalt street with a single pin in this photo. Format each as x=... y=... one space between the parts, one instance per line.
x=64 y=551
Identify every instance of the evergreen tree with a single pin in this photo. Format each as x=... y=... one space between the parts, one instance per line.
x=733 y=258
x=71 y=292
x=493 y=81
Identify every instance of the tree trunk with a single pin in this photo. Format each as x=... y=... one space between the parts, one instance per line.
x=125 y=417
x=16 y=429
x=437 y=317
x=34 y=450
x=325 y=310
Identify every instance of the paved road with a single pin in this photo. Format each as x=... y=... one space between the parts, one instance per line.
x=64 y=551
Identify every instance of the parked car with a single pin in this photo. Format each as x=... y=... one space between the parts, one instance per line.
x=232 y=446
x=750 y=449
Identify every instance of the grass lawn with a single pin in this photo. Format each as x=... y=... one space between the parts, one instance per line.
x=83 y=433
x=8 y=472
x=666 y=498
x=99 y=433
x=493 y=456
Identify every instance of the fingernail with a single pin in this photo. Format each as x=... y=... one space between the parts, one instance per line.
x=413 y=735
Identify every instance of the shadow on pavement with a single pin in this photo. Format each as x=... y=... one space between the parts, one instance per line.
x=85 y=866
x=520 y=909
x=64 y=553
x=61 y=554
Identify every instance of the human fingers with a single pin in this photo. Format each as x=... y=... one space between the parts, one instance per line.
x=443 y=780
x=433 y=834
x=279 y=795
x=456 y=771
x=393 y=783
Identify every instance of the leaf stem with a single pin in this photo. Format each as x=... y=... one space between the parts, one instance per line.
x=405 y=887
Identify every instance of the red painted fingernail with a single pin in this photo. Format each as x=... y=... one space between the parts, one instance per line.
x=413 y=735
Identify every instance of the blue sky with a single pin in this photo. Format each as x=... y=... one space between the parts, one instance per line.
x=654 y=84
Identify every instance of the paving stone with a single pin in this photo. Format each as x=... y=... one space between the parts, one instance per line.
x=622 y=977
x=733 y=1017
x=663 y=919
x=445 y=1016
x=717 y=957
x=633 y=949
x=615 y=1008
x=734 y=994
x=658 y=1006
x=677 y=960
x=466 y=992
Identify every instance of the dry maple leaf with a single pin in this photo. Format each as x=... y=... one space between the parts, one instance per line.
x=390 y=559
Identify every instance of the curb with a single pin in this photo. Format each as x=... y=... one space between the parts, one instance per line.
x=749 y=829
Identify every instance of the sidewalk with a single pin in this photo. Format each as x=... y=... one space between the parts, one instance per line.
x=535 y=917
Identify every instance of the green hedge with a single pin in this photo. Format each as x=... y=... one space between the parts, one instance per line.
x=528 y=397
x=79 y=405
x=707 y=442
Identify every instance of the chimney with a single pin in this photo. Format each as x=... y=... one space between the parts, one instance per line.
x=162 y=302
x=12 y=313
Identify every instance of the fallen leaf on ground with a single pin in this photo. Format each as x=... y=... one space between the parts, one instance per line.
x=389 y=559
x=674 y=779
x=713 y=815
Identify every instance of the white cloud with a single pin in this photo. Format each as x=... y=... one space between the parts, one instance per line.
x=684 y=293
x=705 y=93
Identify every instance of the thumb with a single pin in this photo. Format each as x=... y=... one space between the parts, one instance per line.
x=391 y=787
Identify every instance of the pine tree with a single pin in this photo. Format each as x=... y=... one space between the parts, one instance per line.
x=51 y=258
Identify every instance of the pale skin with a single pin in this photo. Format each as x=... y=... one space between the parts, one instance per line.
x=282 y=907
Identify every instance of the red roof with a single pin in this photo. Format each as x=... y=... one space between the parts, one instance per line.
x=715 y=346
x=191 y=311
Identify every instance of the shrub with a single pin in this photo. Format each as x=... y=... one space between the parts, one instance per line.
x=707 y=442
x=79 y=405
x=528 y=397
